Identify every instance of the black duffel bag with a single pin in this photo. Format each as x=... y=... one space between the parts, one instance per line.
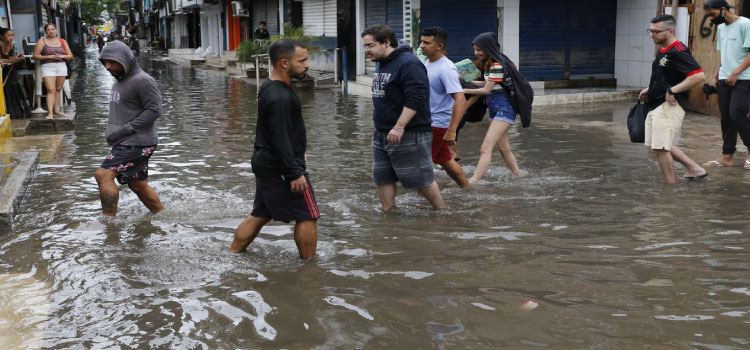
x=475 y=113
x=637 y=122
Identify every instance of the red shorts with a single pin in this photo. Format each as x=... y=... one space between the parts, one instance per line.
x=440 y=151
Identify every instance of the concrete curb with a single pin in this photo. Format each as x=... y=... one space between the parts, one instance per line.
x=14 y=188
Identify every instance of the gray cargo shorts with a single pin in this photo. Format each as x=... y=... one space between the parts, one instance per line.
x=409 y=162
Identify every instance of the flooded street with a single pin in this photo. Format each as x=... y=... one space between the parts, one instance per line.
x=613 y=258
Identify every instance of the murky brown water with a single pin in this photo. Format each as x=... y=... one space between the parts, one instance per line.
x=614 y=259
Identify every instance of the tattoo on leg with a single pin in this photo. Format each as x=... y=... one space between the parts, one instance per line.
x=109 y=203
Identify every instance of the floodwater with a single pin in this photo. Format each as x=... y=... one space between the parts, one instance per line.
x=610 y=257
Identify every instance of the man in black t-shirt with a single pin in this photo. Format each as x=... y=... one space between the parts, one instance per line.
x=673 y=73
x=283 y=191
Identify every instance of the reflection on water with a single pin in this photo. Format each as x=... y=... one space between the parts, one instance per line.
x=610 y=257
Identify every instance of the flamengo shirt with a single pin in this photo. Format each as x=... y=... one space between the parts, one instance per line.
x=671 y=66
x=733 y=40
x=443 y=77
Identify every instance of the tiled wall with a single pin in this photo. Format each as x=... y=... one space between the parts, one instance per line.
x=510 y=31
x=634 y=49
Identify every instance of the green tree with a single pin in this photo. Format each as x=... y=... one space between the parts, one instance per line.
x=93 y=11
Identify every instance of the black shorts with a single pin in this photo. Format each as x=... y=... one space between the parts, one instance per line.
x=274 y=199
x=129 y=162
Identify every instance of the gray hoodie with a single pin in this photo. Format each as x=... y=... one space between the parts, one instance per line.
x=134 y=103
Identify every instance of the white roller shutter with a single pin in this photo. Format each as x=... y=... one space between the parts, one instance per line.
x=319 y=17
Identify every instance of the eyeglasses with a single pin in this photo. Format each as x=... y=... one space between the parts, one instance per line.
x=651 y=31
x=370 y=45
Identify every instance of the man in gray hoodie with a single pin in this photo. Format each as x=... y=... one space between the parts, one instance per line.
x=134 y=106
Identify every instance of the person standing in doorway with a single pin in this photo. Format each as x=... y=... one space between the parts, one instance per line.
x=402 y=140
x=446 y=101
x=261 y=33
x=673 y=73
x=283 y=191
x=134 y=106
x=53 y=52
x=732 y=79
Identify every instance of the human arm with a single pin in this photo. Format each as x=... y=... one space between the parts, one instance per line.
x=643 y=94
x=38 y=51
x=459 y=108
x=715 y=78
x=68 y=53
x=279 y=125
x=477 y=83
x=394 y=136
x=488 y=85
x=473 y=99
x=416 y=89
x=150 y=97
x=687 y=84
x=735 y=74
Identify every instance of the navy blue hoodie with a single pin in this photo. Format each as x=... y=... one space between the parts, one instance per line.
x=401 y=80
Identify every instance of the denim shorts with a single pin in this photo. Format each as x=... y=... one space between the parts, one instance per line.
x=500 y=108
x=409 y=162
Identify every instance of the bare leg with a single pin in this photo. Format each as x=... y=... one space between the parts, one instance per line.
x=108 y=192
x=432 y=193
x=59 y=82
x=146 y=194
x=387 y=195
x=693 y=169
x=246 y=232
x=666 y=165
x=456 y=173
x=49 y=85
x=504 y=147
x=306 y=238
x=494 y=133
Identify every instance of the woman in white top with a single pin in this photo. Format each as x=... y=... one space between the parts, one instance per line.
x=52 y=52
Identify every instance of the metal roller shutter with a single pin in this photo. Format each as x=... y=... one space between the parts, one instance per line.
x=462 y=21
x=568 y=39
x=319 y=17
x=542 y=39
x=592 y=38
x=388 y=12
x=266 y=10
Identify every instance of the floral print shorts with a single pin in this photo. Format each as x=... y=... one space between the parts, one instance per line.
x=129 y=162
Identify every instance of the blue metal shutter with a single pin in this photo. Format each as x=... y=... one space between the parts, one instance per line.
x=591 y=38
x=385 y=12
x=561 y=39
x=462 y=20
x=542 y=39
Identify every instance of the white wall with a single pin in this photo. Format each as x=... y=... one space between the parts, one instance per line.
x=211 y=34
x=510 y=32
x=634 y=49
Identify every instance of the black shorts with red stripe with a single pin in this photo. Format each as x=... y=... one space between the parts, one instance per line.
x=274 y=199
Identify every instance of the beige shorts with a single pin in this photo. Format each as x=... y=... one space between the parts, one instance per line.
x=662 y=126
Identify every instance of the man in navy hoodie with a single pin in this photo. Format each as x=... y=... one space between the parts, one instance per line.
x=402 y=141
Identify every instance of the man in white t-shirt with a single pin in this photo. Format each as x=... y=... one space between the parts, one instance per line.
x=447 y=101
x=732 y=79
